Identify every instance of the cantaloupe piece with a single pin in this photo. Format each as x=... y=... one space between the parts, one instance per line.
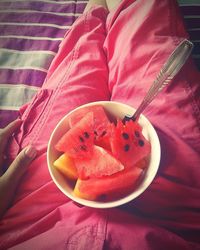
x=66 y=166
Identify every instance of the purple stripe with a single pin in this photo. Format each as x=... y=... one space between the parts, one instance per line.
x=32 y=31
x=27 y=77
x=32 y=77
x=197 y=62
x=190 y=10
x=194 y=34
x=196 y=49
x=42 y=6
x=7 y=116
x=27 y=45
x=80 y=7
x=37 y=18
x=192 y=22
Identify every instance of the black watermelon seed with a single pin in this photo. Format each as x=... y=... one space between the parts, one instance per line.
x=86 y=135
x=141 y=143
x=102 y=197
x=95 y=132
x=125 y=136
x=137 y=133
x=126 y=148
x=83 y=147
x=81 y=139
x=103 y=133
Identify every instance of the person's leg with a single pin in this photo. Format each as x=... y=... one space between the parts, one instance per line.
x=108 y=4
x=139 y=41
x=92 y=3
x=77 y=76
x=112 y=4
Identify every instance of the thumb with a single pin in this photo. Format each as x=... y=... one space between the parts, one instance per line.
x=10 y=180
x=19 y=165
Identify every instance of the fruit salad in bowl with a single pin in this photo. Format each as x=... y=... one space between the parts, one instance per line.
x=98 y=160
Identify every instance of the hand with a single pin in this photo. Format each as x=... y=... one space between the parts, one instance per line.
x=10 y=179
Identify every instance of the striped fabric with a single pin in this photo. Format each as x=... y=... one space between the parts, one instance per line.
x=191 y=13
x=30 y=34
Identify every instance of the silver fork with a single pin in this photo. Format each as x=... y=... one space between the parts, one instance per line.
x=170 y=69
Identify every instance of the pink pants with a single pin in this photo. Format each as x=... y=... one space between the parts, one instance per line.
x=114 y=56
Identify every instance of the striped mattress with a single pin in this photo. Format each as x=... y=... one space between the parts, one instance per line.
x=30 y=34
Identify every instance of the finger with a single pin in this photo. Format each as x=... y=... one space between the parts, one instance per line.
x=10 y=128
x=6 y=132
x=20 y=164
x=10 y=180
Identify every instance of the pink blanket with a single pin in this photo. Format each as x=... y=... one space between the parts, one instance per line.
x=114 y=56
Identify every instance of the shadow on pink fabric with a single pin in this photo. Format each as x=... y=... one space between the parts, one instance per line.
x=114 y=56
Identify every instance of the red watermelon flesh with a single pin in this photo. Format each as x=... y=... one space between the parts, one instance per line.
x=78 y=142
x=109 y=157
x=104 y=140
x=101 y=123
x=101 y=163
x=108 y=187
x=128 y=144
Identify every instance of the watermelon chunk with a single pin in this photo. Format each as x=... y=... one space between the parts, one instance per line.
x=104 y=140
x=100 y=118
x=66 y=166
x=101 y=124
x=101 y=163
x=128 y=144
x=107 y=159
x=78 y=142
x=108 y=187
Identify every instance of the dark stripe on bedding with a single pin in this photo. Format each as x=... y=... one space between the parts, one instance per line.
x=26 y=77
x=37 y=18
x=80 y=8
x=190 y=10
x=54 y=6
x=192 y=22
x=39 y=31
x=30 y=26
x=194 y=34
x=196 y=50
x=28 y=44
x=6 y=116
x=191 y=14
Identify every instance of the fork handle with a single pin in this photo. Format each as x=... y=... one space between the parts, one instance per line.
x=173 y=65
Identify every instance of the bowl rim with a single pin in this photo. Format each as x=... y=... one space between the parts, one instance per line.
x=123 y=200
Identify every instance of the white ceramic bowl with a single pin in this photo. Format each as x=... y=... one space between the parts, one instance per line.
x=118 y=110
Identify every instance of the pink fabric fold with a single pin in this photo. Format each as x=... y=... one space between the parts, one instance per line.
x=114 y=56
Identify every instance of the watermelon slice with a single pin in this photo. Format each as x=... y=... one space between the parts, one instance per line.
x=108 y=187
x=100 y=118
x=128 y=144
x=101 y=124
x=104 y=140
x=101 y=163
x=78 y=142
x=106 y=158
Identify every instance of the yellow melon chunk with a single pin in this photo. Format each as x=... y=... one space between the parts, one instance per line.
x=66 y=166
x=82 y=195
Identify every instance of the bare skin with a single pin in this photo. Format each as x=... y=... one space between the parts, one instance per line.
x=112 y=4
x=10 y=180
x=91 y=3
x=108 y=4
